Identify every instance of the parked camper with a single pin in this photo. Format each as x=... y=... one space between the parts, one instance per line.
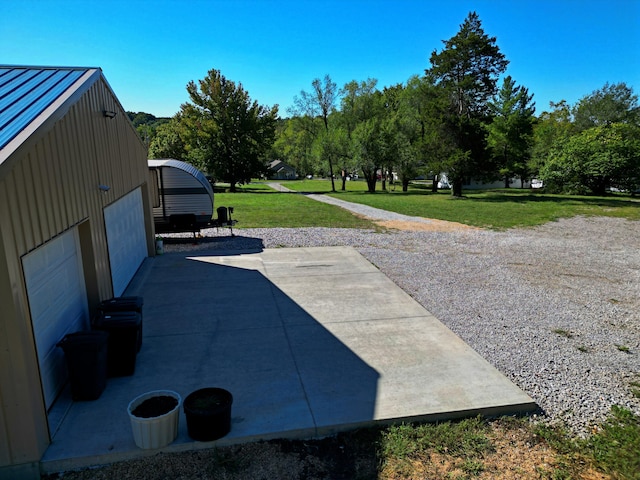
x=182 y=196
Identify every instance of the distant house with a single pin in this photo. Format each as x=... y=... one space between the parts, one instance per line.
x=75 y=223
x=278 y=170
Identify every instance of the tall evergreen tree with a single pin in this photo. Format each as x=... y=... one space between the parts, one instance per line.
x=467 y=68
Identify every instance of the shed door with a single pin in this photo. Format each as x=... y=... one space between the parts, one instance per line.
x=126 y=238
x=58 y=305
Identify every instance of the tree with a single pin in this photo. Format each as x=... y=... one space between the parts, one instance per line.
x=368 y=152
x=422 y=112
x=319 y=103
x=333 y=146
x=362 y=111
x=392 y=138
x=141 y=118
x=511 y=131
x=225 y=130
x=294 y=145
x=167 y=142
x=551 y=128
x=594 y=160
x=591 y=146
x=146 y=125
x=611 y=104
x=402 y=131
x=467 y=68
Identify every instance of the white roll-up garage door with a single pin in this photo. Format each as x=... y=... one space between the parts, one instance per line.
x=126 y=238
x=58 y=304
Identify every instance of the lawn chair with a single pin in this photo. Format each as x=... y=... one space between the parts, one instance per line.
x=224 y=219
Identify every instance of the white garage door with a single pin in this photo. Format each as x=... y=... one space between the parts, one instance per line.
x=58 y=305
x=126 y=238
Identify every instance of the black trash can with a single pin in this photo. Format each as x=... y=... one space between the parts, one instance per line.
x=86 y=355
x=125 y=304
x=122 y=347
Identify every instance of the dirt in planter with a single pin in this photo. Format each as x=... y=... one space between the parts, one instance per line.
x=155 y=406
x=207 y=400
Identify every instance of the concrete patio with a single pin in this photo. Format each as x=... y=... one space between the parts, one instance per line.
x=309 y=341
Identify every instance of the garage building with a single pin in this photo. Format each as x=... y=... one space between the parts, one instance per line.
x=75 y=225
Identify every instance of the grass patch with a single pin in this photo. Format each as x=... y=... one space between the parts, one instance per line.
x=613 y=449
x=405 y=448
x=466 y=438
x=511 y=447
x=616 y=447
x=623 y=348
x=496 y=209
x=259 y=206
x=563 y=333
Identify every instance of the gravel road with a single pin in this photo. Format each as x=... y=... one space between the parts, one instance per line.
x=555 y=308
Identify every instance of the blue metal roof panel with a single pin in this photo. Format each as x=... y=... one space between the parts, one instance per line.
x=25 y=92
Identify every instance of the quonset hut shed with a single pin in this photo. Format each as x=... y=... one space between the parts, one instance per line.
x=75 y=225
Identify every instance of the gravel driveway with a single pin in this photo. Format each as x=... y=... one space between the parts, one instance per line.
x=555 y=308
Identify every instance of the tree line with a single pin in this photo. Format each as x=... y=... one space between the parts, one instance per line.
x=455 y=117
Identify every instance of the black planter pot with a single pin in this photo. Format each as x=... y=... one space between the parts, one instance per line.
x=208 y=413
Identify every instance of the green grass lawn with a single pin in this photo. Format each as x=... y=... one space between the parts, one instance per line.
x=258 y=206
x=497 y=209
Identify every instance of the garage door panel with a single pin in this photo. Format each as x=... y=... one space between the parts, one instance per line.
x=70 y=319
x=49 y=294
x=126 y=238
x=52 y=375
x=57 y=303
x=43 y=261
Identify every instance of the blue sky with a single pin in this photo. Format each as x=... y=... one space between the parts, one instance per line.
x=150 y=50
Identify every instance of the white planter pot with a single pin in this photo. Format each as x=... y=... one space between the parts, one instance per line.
x=155 y=432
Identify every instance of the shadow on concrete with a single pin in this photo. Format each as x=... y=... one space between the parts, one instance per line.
x=207 y=324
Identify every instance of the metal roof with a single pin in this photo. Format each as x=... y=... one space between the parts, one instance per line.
x=25 y=92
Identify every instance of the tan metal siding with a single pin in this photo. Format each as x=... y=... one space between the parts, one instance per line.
x=23 y=422
x=10 y=223
x=51 y=188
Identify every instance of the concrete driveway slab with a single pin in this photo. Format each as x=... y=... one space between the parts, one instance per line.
x=309 y=341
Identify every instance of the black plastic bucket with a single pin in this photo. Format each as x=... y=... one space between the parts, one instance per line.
x=208 y=413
